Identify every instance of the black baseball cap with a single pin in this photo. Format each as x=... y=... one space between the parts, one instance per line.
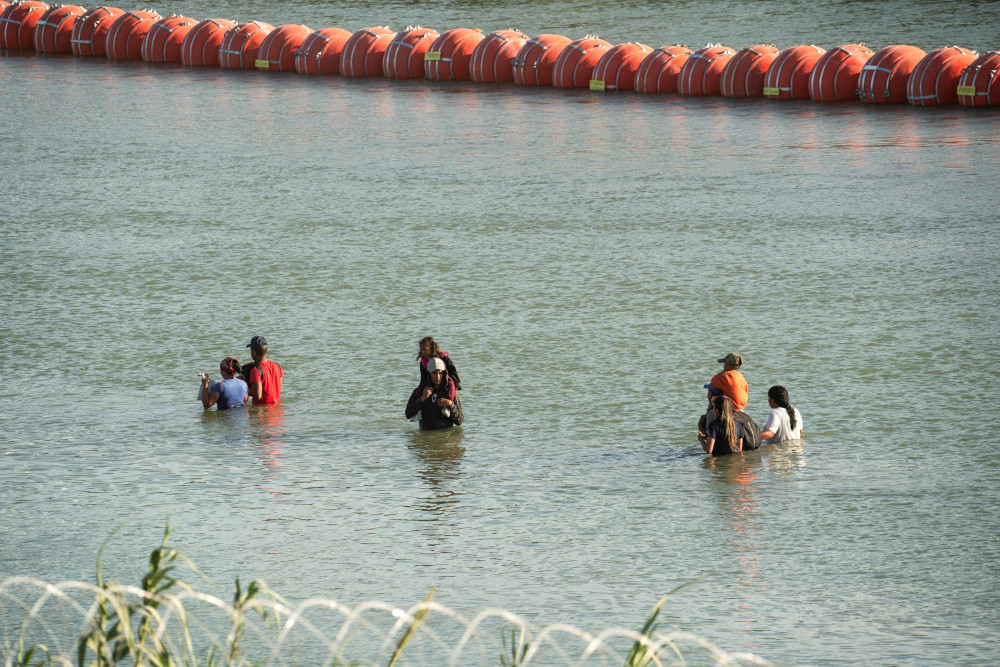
x=257 y=342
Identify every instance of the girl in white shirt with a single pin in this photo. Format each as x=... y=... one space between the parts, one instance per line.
x=784 y=422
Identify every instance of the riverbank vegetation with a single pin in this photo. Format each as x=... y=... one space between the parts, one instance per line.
x=166 y=622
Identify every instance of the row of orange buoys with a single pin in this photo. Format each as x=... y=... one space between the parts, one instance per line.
x=895 y=74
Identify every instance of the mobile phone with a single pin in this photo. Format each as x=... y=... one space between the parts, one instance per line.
x=202 y=376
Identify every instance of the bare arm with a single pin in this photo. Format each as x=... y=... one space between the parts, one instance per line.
x=208 y=399
x=708 y=445
x=256 y=389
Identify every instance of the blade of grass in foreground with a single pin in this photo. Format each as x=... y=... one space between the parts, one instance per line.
x=640 y=656
x=418 y=619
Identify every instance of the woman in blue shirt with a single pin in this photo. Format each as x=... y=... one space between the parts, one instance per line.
x=231 y=392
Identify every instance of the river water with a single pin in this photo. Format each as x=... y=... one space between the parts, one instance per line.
x=585 y=258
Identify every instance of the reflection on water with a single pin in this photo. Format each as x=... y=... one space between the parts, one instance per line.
x=786 y=458
x=734 y=484
x=229 y=427
x=268 y=436
x=440 y=456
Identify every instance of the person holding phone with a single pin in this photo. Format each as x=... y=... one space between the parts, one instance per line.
x=230 y=392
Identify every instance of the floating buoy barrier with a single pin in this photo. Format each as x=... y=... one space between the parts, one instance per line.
x=493 y=58
x=533 y=64
x=277 y=51
x=320 y=53
x=450 y=56
x=54 y=30
x=165 y=39
x=17 y=24
x=702 y=73
x=744 y=73
x=202 y=42
x=90 y=31
x=835 y=77
x=978 y=85
x=788 y=76
x=576 y=63
x=404 y=57
x=659 y=70
x=241 y=43
x=364 y=52
x=127 y=34
x=896 y=73
x=935 y=78
x=617 y=68
x=884 y=77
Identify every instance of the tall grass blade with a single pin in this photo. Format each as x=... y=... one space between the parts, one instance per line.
x=519 y=645
x=418 y=619
x=640 y=655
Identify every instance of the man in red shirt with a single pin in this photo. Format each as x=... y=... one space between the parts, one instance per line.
x=730 y=381
x=263 y=376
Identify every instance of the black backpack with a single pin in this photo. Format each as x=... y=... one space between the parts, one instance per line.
x=751 y=431
x=246 y=368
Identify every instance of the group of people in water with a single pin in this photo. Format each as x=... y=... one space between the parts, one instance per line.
x=725 y=428
x=260 y=379
x=435 y=403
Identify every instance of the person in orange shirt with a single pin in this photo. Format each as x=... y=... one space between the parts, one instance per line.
x=731 y=381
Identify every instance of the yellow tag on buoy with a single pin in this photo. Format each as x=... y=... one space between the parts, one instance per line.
x=432 y=55
x=966 y=90
x=596 y=84
x=772 y=91
x=262 y=64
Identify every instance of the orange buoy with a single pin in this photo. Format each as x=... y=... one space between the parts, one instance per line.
x=17 y=24
x=935 y=78
x=576 y=62
x=3 y=5
x=835 y=77
x=240 y=44
x=277 y=51
x=788 y=76
x=54 y=30
x=90 y=31
x=404 y=57
x=320 y=52
x=702 y=73
x=364 y=51
x=449 y=57
x=200 y=47
x=165 y=39
x=493 y=58
x=744 y=74
x=883 y=78
x=977 y=85
x=127 y=34
x=533 y=64
x=658 y=71
x=617 y=68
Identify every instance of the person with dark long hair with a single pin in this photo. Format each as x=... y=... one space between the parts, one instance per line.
x=724 y=433
x=784 y=422
x=230 y=392
x=429 y=350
